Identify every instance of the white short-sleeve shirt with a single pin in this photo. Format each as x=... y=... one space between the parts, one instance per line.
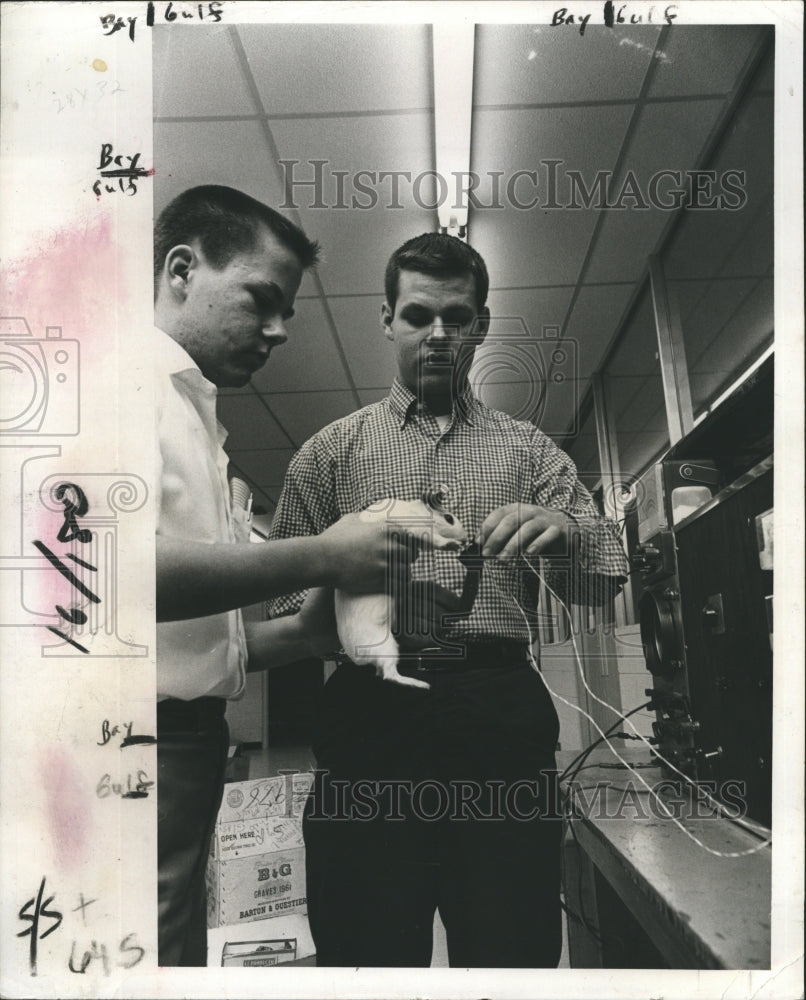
x=199 y=656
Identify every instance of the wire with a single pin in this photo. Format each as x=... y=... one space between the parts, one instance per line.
x=718 y=807
x=715 y=805
x=601 y=937
x=580 y=917
x=582 y=756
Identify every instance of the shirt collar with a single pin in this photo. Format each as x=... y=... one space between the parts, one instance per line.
x=170 y=358
x=403 y=402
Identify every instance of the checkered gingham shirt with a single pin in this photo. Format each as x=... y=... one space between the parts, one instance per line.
x=484 y=459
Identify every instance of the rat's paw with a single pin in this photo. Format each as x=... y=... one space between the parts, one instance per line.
x=389 y=672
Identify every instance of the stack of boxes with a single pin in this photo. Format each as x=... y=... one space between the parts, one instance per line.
x=256 y=867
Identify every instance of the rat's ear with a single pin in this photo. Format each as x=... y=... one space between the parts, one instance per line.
x=435 y=497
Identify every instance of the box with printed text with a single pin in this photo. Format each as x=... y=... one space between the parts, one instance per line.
x=256 y=867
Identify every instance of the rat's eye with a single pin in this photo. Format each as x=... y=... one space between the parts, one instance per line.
x=450 y=519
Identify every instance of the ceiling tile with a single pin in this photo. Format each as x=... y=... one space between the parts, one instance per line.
x=538 y=245
x=522 y=367
x=559 y=415
x=703 y=59
x=370 y=355
x=262 y=467
x=308 y=360
x=524 y=63
x=714 y=244
x=272 y=494
x=636 y=404
x=536 y=311
x=250 y=424
x=705 y=307
x=549 y=406
x=191 y=153
x=339 y=67
x=593 y=322
x=638 y=449
x=358 y=241
x=733 y=348
x=185 y=65
x=309 y=412
x=641 y=419
x=583 y=448
x=668 y=137
x=735 y=319
x=521 y=345
x=326 y=73
x=738 y=242
x=522 y=399
x=637 y=351
x=369 y=396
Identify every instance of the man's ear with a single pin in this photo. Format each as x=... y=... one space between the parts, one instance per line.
x=180 y=263
x=387 y=314
x=480 y=326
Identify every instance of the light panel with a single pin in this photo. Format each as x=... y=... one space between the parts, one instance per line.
x=453 y=101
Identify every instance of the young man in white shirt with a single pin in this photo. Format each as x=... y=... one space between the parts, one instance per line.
x=227 y=270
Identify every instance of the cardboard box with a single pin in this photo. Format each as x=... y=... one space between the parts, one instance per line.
x=282 y=941
x=250 y=954
x=256 y=836
x=256 y=867
x=256 y=887
x=284 y=795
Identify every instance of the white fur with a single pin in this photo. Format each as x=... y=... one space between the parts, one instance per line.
x=364 y=620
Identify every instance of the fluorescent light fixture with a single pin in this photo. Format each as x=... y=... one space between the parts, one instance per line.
x=453 y=100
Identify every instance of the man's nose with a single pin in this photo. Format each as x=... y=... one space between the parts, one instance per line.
x=274 y=332
x=441 y=331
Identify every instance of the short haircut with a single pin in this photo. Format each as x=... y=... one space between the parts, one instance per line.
x=441 y=256
x=226 y=222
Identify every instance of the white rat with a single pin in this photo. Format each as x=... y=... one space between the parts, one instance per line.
x=364 y=621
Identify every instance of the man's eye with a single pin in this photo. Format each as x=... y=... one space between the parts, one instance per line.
x=417 y=317
x=458 y=320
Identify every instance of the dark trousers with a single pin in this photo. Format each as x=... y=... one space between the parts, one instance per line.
x=435 y=800
x=192 y=741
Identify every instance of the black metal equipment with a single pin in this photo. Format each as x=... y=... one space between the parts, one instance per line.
x=704 y=552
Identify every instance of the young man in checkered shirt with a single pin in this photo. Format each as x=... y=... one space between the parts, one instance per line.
x=445 y=798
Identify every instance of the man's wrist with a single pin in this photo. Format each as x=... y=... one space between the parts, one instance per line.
x=321 y=560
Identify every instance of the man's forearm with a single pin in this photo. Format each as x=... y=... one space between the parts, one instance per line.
x=195 y=579
x=274 y=643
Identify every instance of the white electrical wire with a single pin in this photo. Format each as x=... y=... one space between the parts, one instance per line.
x=717 y=806
x=652 y=792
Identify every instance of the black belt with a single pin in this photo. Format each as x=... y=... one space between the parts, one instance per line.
x=471 y=656
x=195 y=716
